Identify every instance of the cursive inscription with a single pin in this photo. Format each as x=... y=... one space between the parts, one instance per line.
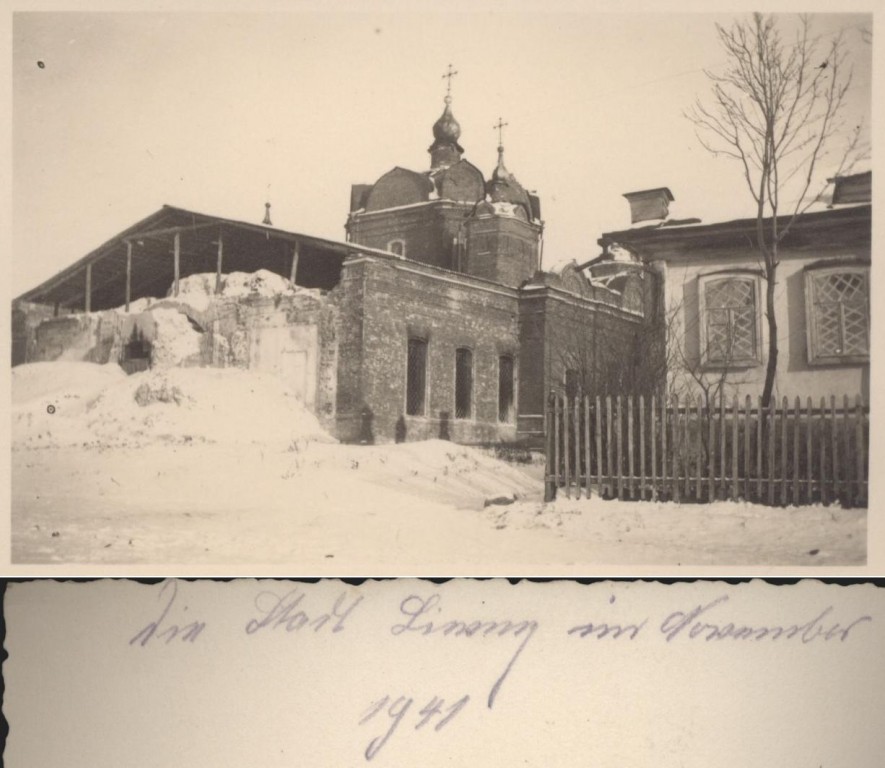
x=163 y=629
x=284 y=611
x=400 y=707
x=686 y=624
x=416 y=609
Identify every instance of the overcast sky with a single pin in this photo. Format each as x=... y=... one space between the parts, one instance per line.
x=219 y=112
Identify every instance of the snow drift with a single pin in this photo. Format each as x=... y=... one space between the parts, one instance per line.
x=65 y=404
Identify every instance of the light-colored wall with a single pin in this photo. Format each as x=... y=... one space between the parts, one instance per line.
x=795 y=376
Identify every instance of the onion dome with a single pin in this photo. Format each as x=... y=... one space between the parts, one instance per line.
x=503 y=187
x=445 y=150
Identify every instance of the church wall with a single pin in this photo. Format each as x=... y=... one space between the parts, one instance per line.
x=502 y=249
x=558 y=331
x=398 y=300
x=428 y=231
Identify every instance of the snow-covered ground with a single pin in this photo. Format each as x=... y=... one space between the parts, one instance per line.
x=202 y=467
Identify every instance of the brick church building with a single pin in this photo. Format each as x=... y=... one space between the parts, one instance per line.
x=433 y=319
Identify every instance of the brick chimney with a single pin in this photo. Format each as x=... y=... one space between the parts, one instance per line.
x=649 y=204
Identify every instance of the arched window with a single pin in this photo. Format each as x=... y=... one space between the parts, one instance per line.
x=397 y=246
x=729 y=327
x=837 y=306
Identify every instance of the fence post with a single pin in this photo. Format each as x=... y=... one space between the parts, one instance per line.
x=620 y=446
x=723 y=479
x=759 y=422
x=858 y=437
x=598 y=445
x=686 y=443
x=674 y=459
x=735 y=450
x=824 y=489
x=654 y=448
x=796 y=422
x=609 y=459
x=663 y=447
x=748 y=405
x=771 y=450
x=711 y=453
x=577 y=445
x=642 y=448
x=631 y=483
x=699 y=448
x=565 y=447
x=552 y=454
x=587 y=462
x=846 y=445
x=834 y=444
x=809 y=451
x=784 y=414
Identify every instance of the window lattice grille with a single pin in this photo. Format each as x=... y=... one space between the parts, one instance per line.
x=841 y=312
x=463 y=383
x=416 y=377
x=731 y=320
x=505 y=388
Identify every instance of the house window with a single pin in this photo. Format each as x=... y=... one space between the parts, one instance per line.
x=397 y=246
x=505 y=388
x=838 y=315
x=463 y=383
x=416 y=377
x=730 y=320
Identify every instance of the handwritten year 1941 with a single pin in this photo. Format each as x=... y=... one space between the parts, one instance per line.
x=398 y=709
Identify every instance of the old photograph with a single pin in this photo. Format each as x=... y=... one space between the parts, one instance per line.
x=425 y=292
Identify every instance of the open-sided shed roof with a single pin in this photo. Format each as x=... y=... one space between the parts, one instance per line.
x=148 y=247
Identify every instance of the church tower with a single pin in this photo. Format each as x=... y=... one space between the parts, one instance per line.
x=449 y=216
x=504 y=231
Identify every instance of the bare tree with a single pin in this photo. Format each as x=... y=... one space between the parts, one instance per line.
x=776 y=110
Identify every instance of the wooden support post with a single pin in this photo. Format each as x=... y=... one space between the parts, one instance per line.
x=677 y=456
x=654 y=448
x=860 y=455
x=177 y=258
x=128 y=273
x=87 y=302
x=219 y=263
x=293 y=273
x=699 y=448
x=822 y=434
x=809 y=452
x=55 y=309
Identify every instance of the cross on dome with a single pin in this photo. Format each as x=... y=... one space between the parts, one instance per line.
x=450 y=73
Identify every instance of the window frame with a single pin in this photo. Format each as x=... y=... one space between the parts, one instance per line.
x=471 y=415
x=425 y=394
x=400 y=242
x=813 y=355
x=511 y=418
x=753 y=278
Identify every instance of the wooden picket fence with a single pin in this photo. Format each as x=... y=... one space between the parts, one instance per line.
x=644 y=449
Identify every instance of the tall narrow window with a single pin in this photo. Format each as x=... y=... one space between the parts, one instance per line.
x=416 y=377
x=838 y=309
x=463 y=383
x=729 y=329
x=505 y=388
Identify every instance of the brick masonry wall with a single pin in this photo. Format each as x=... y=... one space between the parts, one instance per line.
x=394 y=300
x=428 y=230
x=502 y=249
